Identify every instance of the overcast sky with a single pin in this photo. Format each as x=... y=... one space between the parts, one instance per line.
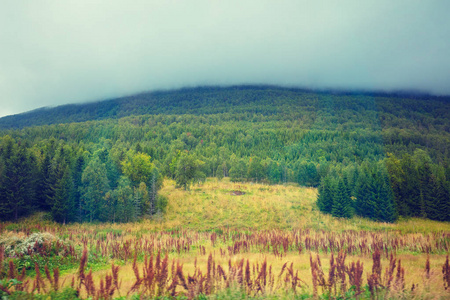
x=58 y=52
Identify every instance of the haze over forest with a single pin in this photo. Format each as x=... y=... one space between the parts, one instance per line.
x=56 y=53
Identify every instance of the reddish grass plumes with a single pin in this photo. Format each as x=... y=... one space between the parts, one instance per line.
x=427 y=267
x=160 y=277
x=340 y=271
x=209 y=283
x=139 y=280
x=318 y=276
x=355 y=275
x=81 y=275
x=12 y=272
x=89 y=284
x=56 y=279
x=38 y=281
x=446 y=274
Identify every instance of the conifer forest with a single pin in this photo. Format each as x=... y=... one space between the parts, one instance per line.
x=228 y=193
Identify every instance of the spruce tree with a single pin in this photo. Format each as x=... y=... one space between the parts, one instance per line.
x=63 y=209
x=18 y=190
x=384 y=199
x=325 y=197
x=366 y=194
x=94 y=187
x=342 y=206
x=442 y=198
x=410 y=187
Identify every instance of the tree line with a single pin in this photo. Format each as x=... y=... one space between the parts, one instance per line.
x=74 y=184
x=410 y=186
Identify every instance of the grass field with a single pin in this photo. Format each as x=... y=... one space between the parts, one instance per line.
x=243 y=227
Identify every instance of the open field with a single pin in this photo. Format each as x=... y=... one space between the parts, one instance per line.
x=222 y=237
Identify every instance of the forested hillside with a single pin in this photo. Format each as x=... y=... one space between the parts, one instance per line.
x=375 y=155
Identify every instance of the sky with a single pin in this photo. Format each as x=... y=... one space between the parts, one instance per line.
x=59 y=52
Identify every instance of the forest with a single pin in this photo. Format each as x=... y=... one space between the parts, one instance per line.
x=378 y=156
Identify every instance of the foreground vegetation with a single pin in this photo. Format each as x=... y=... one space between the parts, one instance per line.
x=242 y=240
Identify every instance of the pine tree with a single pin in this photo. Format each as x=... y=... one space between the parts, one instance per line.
x=384 y=199
x=342 y=206
x=125 y=210
x=42 y=184
x=94 y=187
x=77 y=183
x=410 y=187
x=63 y=209
x=427 y=187
x=325 y=197
x=17 y=190
x=365 y=196
x=442 y=201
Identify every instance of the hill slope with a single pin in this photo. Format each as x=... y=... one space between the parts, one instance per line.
x=266 y=100
x=260 y=134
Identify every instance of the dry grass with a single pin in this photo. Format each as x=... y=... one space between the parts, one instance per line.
x=211 y=206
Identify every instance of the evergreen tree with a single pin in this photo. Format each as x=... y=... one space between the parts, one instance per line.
x=396 y=179
x=43 y=184
x=342 y=206
x=384 y=199
x=143 y=203
x=17 y=182
x=365 y=196
x=441 y=205
x=63 y=209
x=94 y=187
x=77 y=173
x=326 y=193
x=125 y=210
x=428 y=186
x=410 y=186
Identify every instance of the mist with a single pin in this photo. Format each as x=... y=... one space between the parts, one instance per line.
x=57 y=52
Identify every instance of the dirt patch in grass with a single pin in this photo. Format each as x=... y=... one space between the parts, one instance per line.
x=237 y=193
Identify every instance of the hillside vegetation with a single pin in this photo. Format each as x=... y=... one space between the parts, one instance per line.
x=387 y=152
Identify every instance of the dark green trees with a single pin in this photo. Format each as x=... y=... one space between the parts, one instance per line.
x=63 y=201
x=94 y=187
x=342 y=203
x=334 y=197
x=420 y=187
x=326 y=194
x=373 y=197
x=17 y=184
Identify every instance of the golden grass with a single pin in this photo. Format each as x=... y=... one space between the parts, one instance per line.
x=414 y=266
x=211 y=205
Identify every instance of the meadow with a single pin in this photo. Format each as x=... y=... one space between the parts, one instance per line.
x=228 y=240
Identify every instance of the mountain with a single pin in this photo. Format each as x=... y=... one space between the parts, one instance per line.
x=267 y=100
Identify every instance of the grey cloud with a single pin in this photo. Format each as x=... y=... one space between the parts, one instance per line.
x=57 y=52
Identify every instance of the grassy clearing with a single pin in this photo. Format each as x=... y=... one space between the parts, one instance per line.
x=262 y=207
